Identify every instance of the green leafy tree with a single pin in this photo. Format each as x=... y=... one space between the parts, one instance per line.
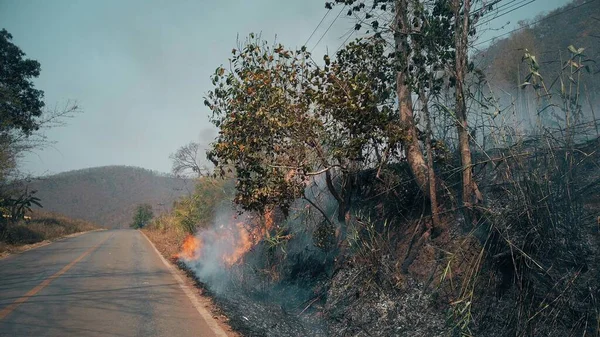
x=22 y=111
x=355 y=102
x=22 y=114
x=269 y=134
x=285 y=121
x=198 y=209
x=428 y=41
x=143 y=215
x=20 y=103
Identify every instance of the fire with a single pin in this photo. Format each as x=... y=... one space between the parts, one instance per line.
x=235 y=240
x=243 y=241
x=190 y=250
x=248 y=238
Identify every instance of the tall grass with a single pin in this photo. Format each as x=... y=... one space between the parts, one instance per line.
x=537 y=274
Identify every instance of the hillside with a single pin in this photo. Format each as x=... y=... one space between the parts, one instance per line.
x=107 y=196
x=577 y=24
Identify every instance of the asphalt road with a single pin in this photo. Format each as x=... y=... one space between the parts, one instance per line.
x=107 y=283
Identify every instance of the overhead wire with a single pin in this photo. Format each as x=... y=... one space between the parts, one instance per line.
x=500 y=7
x=504 y=9
x=317 y=27
x=506 y=12
x=328 y=28
x=346 y=40
x=535 y=22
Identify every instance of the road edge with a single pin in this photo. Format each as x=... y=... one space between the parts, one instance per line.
x=207 y=316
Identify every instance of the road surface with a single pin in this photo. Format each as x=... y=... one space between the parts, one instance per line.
x=106 y=283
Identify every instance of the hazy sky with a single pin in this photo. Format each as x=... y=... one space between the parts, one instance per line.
x=139 y=69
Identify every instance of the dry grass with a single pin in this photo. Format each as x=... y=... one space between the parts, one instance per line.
x=42 y=228
x=167 y=241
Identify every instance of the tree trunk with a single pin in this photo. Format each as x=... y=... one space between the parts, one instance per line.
x=414 y=155
x=435 y=213
x=470 y=191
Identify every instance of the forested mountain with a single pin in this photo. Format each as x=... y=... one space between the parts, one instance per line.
x=548 y=38
x=108 y=195
x=551 y=39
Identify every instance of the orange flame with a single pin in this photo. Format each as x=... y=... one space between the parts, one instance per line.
x=248 y=238
x=241 y=239
x=243 y=242
x=190 y=250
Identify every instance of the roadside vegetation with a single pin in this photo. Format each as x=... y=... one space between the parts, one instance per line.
x=142 y=216
x=191 y=212
x=23 y=119
x=394 y=188
x=39 y=227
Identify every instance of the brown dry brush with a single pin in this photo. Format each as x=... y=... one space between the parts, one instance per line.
x=43 y=226
x=537 y=272
x=531 y=265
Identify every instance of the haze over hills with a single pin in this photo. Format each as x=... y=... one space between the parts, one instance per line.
x=547 y=37
x=107 y=196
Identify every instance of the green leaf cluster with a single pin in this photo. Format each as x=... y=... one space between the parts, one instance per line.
x=283 y=119
x=20 y=103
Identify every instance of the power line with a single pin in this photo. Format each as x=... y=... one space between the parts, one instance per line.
x=510 y=10
x=317 y=27
x=499 y=8
x=353 y=30
x=483 y=7
x=505 y=11
x=504 y=5
x=346 y=40
x=328 y=28
x=535 y=22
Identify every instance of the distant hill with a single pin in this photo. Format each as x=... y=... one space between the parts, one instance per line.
x=547 y=37
x=107 y=196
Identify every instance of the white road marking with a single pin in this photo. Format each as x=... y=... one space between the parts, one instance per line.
x=208 y=318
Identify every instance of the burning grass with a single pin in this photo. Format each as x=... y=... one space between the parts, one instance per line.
x=190 y=249
x=258 y=272
x=273 y=278
x=228 y=242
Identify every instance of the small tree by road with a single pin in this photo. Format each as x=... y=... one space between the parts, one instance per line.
x=143 y=215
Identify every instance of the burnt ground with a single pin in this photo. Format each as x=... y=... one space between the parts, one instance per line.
x=482 y=281
x=364 y=295
x=369 y=295
x=359 y=306
x=254 y=314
